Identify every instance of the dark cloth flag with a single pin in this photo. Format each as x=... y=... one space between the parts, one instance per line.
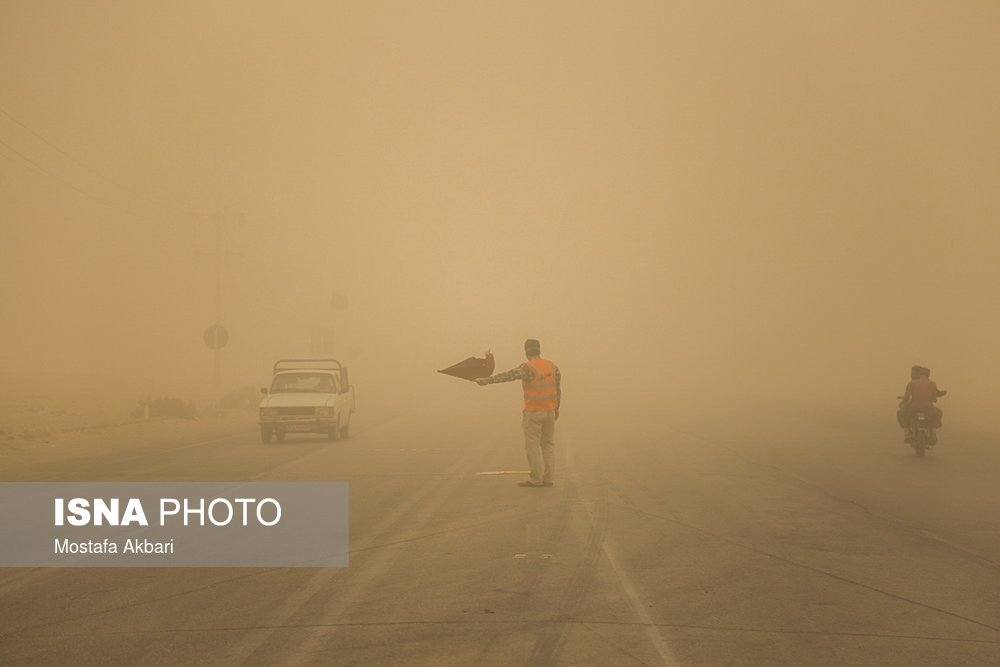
x=471 y=368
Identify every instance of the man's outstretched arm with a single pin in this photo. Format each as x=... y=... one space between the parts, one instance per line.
x=522 y=372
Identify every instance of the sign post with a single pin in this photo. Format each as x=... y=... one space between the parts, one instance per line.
x=216 y=338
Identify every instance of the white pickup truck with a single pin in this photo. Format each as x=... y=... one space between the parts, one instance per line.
x=307 y=396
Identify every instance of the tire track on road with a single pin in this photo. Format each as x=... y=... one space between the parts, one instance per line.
x=587 y=503
x=892 y=521
x=628 y=504
x=404 y=524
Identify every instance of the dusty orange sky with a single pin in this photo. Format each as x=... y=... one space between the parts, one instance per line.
x=801 y=196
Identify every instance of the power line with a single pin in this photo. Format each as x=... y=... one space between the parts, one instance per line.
x=60 y=150
x=85 y=166
x=43 y=170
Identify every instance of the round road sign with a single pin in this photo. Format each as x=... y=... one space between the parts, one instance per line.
x=216 y=336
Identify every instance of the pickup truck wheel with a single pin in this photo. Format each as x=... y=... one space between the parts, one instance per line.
x=334 y=433
x=280 y=436
x=265 y=435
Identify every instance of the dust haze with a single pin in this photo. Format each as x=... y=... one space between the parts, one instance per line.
x=692 y=205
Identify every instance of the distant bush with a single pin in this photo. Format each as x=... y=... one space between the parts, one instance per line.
x=246 y=398
x=165 y=407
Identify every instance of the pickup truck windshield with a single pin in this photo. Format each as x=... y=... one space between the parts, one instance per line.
x=303 y=382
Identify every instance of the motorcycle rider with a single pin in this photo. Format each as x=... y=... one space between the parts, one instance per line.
x=920 y=394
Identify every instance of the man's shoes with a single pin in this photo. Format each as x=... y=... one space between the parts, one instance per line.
x=547 y=483
x=532 y=485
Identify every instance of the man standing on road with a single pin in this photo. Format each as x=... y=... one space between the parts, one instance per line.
x=542 y=395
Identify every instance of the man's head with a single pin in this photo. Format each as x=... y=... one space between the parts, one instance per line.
x=532 y=348
x=917 y=372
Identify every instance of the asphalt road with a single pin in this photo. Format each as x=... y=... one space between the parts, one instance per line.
x=828 y=544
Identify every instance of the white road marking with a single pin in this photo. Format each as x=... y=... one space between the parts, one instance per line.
x=640 y=607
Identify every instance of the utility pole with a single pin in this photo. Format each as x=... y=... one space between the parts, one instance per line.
x=216 y=335
x=217 y=375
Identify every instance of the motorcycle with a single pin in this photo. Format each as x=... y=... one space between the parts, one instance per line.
x=921 y=434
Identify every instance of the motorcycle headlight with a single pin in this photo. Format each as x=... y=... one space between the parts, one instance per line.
x=322 y=412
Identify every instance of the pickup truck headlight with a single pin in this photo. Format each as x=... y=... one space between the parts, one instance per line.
x=322 y=412
x=269 y=412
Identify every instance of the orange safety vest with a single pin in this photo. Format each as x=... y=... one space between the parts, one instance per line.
x=540 y=393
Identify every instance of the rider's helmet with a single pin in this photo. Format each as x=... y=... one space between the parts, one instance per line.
x=915 y=372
